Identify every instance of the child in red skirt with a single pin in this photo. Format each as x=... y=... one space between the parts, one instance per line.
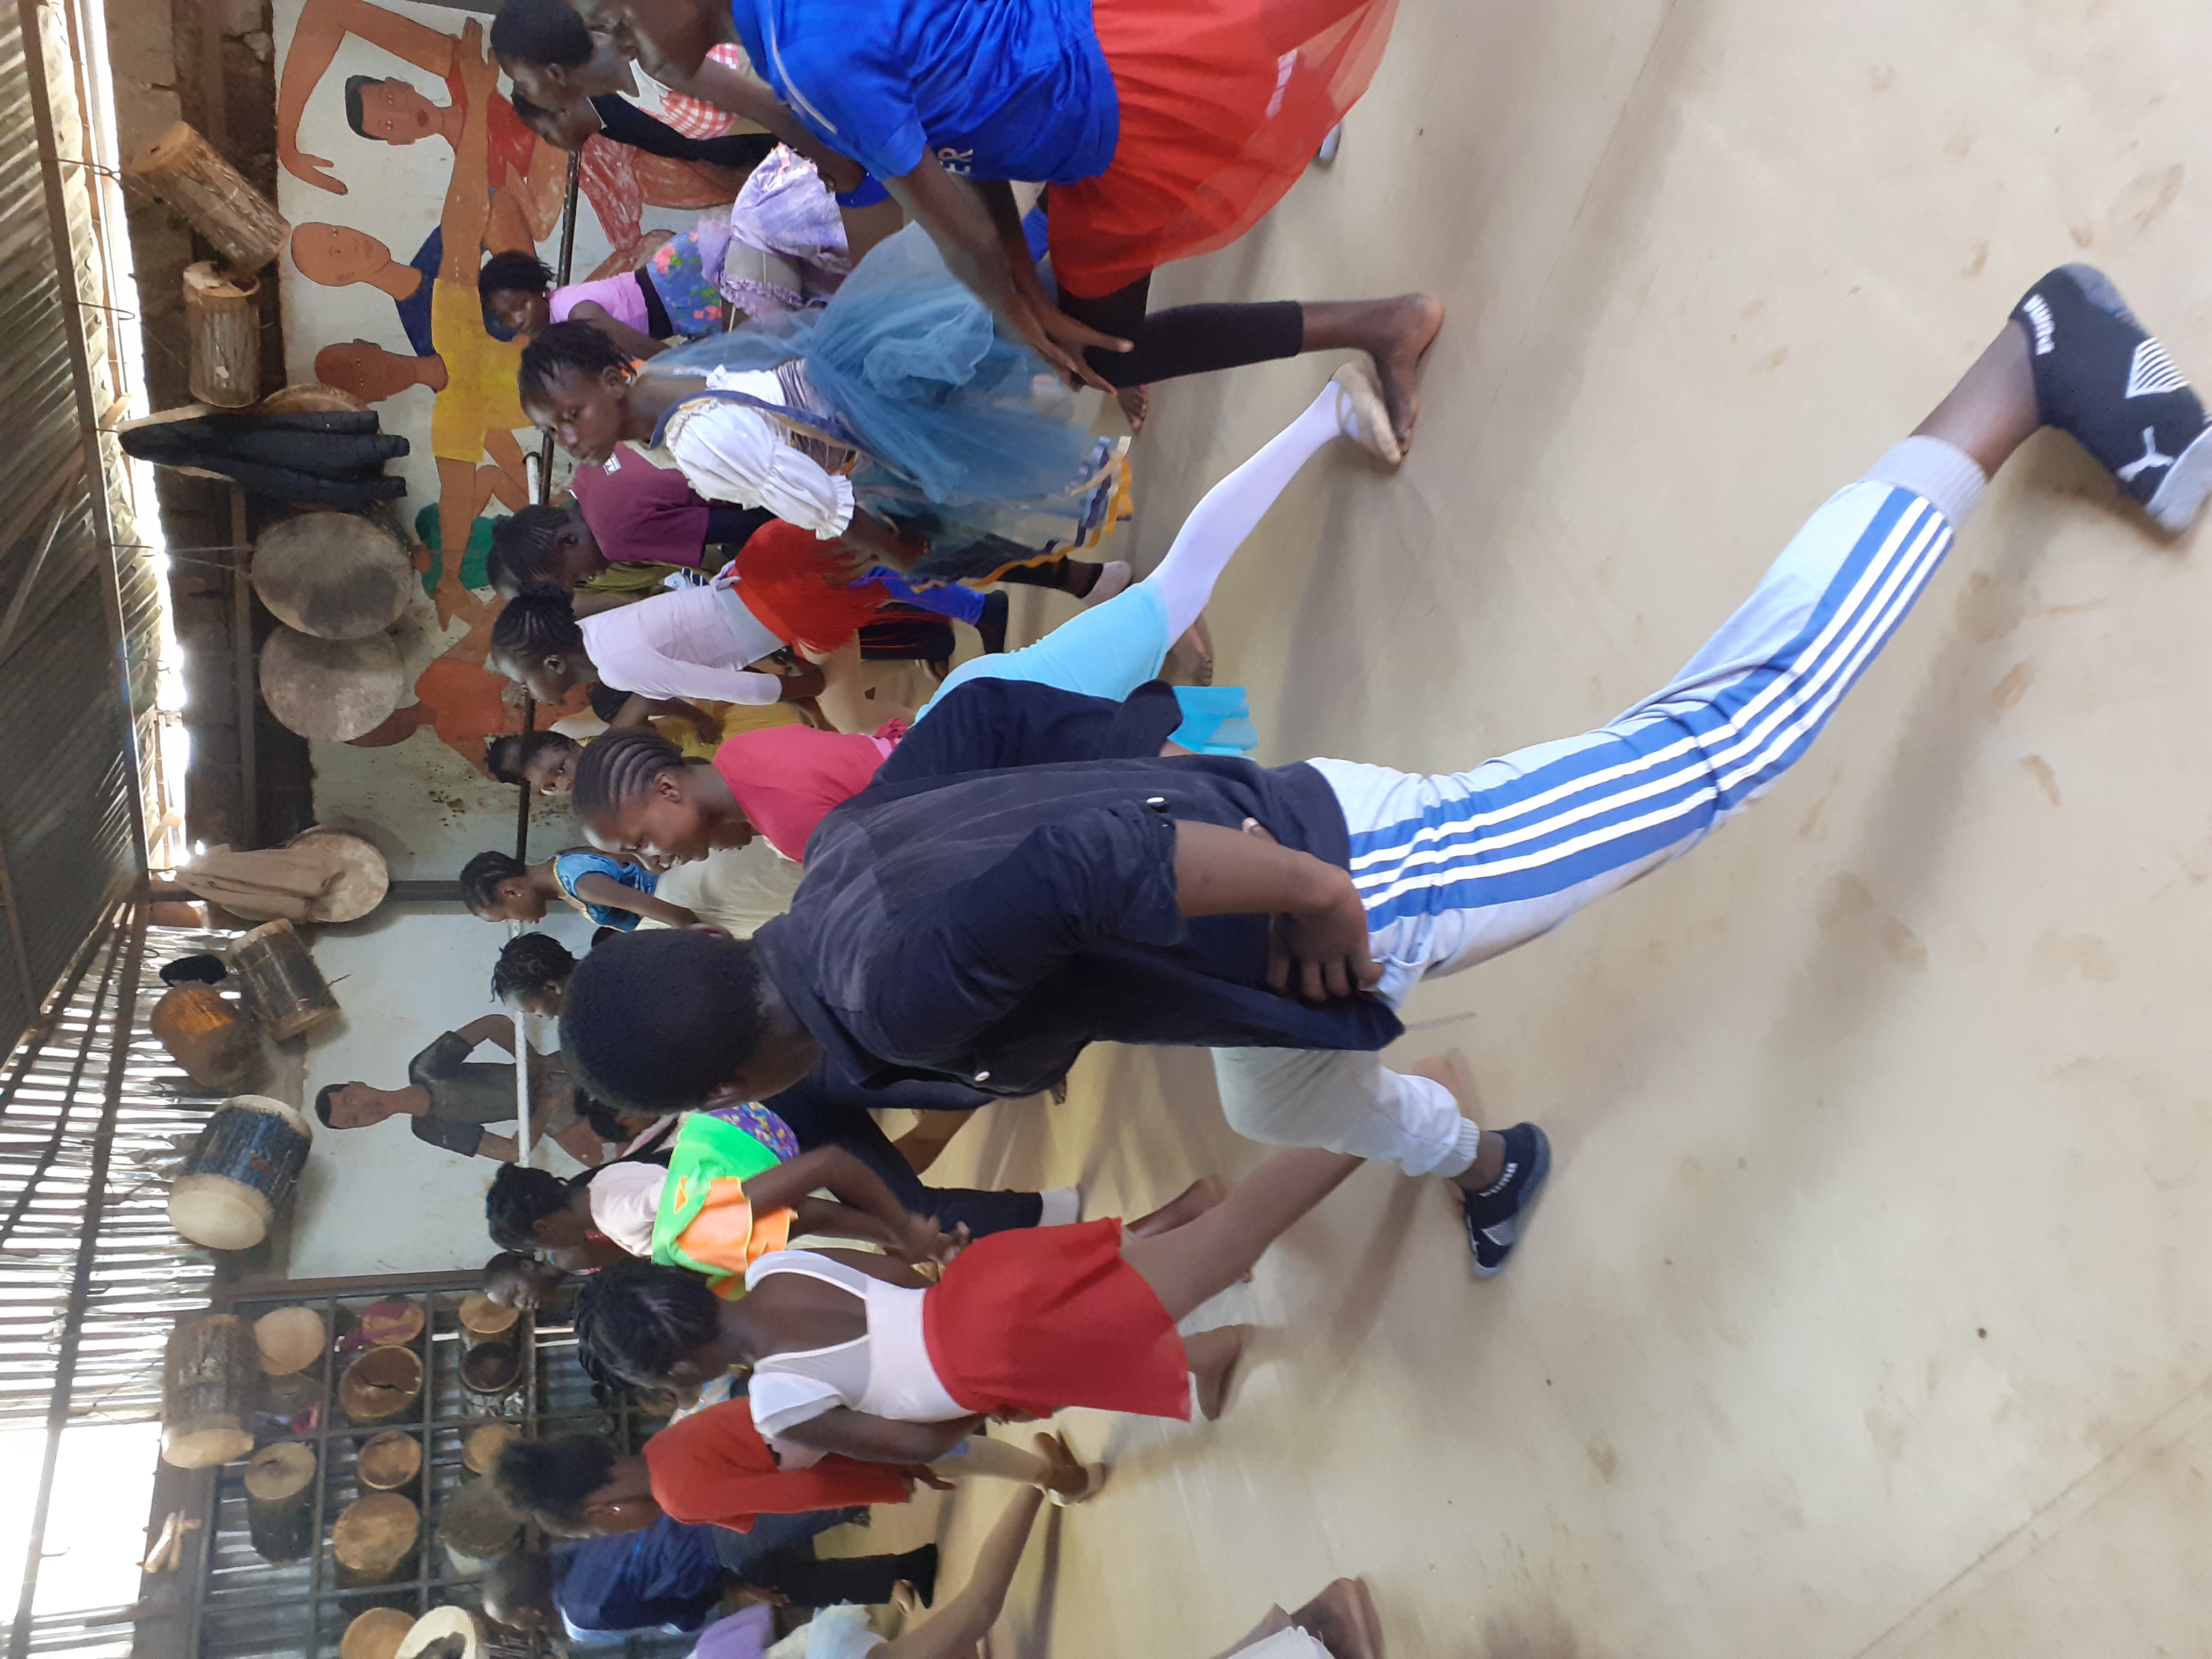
x=857 y=1356
x=1164 y=129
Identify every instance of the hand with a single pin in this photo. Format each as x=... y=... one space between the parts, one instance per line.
x=308 y=169
x=921 y=1475
x=479 y=74
x=1327 y=947
x=1058 y=337
x=846 y=562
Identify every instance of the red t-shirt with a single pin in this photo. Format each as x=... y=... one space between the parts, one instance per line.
x=639 y=511
x=714 y=1466
x=788 y=778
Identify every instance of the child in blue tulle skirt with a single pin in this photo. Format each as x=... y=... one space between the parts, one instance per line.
x=896 y=418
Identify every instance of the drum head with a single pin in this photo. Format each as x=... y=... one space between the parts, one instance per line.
x=330 y=691
x=360 y=877
x=336 y=576
x=217 y=1212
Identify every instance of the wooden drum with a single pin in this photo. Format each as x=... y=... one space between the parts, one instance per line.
x=210 y=1373
x=209 y=1035
x=374 y=1539
x=375 y=1634
x=280 y=1501
x=336 y=576
x=286 y=990
x=380 y=1384
x=240 y=1175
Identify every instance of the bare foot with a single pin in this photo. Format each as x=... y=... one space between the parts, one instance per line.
x=1187 y=1206
x=1410 y=326
x=1069 y=1481
x=1136 y=403
x=1192 y=654
x=1342 y=1620
x=1214 y=1356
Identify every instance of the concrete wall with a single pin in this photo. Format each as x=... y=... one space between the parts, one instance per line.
x=378 y=1200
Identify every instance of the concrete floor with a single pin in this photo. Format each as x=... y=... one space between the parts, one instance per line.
x=1870 y=1310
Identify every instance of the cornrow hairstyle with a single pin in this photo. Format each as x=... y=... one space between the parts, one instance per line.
x=654 y=1021
x=641 y=1322
x=617 y=768
x=507 y=754
x=525 y=546
x=561 y=349
x=521 y=1197
x=530 y=963
x=540 y=31
x=539 y=621
x=356 y=117
x=518 y=272
x=554 y=1479
x=482 y=875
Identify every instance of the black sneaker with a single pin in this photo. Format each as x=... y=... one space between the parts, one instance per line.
x=1494 y=1219
x=992 y=625
x=2101 y=376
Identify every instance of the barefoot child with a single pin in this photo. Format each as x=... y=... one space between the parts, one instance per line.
x=1279 y=916
x=856 y=1355
x=614 y=892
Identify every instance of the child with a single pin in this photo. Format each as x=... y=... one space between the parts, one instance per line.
x=675 y=293
x=524 y=1282
x=895 y=418
x=1189 y=898
x=817 y=610
x=1163 y=130
x=532 y=973
x=854 y=1355
x=638 y=794
x=615 y=892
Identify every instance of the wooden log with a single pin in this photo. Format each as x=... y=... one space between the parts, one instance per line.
x=388 y=1461
x=380 y=1383
x=491 y=1368
x=290 y=1340
x=225 y=331
x=475 y=1525
x=376 y=1634
x=444 y=1633
x=185 y=170
x=210 y=1374
x=280 y=1501
x=375 y=1539
x=483 y=1316
x=480 y=1452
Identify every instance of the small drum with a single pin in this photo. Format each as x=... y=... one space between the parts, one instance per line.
x=286 y=990
x=331 y=690
x=240 y=1173
x=476 y=1527
x=209 y=1035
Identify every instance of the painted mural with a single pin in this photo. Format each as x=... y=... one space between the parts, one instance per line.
x=402 y=163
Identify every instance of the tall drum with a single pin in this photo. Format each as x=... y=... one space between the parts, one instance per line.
x=284 y=986
x=240 y=1173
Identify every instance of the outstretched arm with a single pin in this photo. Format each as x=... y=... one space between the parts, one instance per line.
x=468 y=192
x=606 y=892
x=970 y=223
x=862 y=1198
x=957 y=1623
x=867 y=1438
x=727 y=88
x=323 y=28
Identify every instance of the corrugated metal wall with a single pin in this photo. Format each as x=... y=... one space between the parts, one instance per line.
x=70 y=786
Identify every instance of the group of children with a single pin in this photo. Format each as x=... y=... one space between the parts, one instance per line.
x=1056 y=849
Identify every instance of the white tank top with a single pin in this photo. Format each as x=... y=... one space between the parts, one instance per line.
x=885 y=1372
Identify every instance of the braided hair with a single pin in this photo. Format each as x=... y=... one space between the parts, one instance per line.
x=641 y=1322
x=554 y=1478
x=618 y=769
x=656 y=1020
x=537 y=623
x=525 y=547
x=540 y=31
x=529 y=963
x=521 y=1197
x=517 y=272
x=482 y=875
x=561 y=349
x=508 y=755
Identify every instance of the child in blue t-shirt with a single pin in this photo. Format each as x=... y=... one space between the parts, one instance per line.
x=615 y=890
